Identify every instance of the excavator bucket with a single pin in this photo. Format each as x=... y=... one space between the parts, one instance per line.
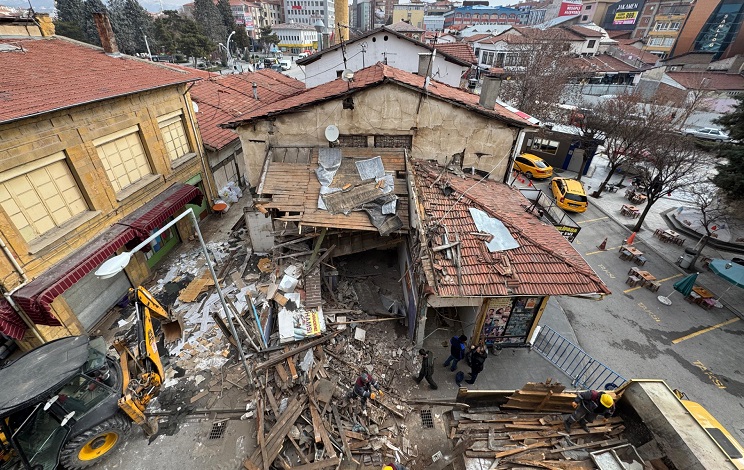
x=172 y=330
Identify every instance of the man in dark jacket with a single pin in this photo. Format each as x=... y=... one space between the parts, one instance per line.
x=363 y=388
x=427 y=369
x=588 y=405
x=477 y=359
x=457 y=351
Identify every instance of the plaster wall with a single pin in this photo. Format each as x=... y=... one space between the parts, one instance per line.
x=439 y=129
x=383 y=47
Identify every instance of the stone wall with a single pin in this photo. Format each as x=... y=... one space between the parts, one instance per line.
x=439 y=129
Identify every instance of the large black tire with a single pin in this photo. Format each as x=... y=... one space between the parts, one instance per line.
x=93 y=445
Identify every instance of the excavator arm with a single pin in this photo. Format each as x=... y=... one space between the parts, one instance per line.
x=142 y=369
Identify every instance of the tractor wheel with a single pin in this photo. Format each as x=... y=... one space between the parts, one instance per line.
x=93 y=445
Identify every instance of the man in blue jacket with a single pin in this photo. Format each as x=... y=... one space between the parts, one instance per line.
x=457 y=351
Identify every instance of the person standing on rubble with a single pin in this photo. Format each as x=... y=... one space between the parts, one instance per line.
x=427 y=369
x=457 y=351
x=587 y=406
x=477 y=360
x=365 y=387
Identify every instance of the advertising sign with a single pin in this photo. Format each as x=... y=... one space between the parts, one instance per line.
x=570 y=8
x=249 y=25
x=623 y=15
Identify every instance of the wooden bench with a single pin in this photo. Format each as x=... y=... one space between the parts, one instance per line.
x=626 y=255
x=633 y=281
x=640 y=260
x=653 y=286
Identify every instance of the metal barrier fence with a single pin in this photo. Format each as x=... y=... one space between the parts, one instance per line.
x=585 y=371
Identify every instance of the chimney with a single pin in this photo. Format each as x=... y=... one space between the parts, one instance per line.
x=108 y=41
x=255 y=91
x=489 y=91
x=45 y=24
x=425 y=64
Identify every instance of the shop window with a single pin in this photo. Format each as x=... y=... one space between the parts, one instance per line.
x=545 y=146
x=123 y=158
x=41 y=195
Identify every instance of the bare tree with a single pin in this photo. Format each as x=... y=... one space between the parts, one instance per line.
x=713 y=209
x=537 y=69
x=671 y=163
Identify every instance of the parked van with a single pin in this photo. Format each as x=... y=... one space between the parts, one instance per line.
x=302 y=55
x=286 y=64
x=569 y=194
x=269 y=61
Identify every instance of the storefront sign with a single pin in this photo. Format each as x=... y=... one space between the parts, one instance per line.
x=568 y=232
x=508 y=320
x=570 y=8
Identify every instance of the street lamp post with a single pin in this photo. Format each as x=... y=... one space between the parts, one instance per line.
x=320 y=28
x=229 y=56
x=116 y=264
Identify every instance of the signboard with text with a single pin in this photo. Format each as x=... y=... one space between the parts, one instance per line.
x=623 y=15
x=570 y=8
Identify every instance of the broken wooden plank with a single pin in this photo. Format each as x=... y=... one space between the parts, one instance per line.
x=342 y=434
x=199 y=396
x=292 y=352
x=282 y=372
x=320 y=464
x=272 y=400
x=317 y=423
x=302 y=455
x=260 y=432
x=291 y=365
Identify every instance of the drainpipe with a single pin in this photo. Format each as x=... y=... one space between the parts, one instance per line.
x=515 y=152
x=7 y=295
x=13 y=261
x=199 y=145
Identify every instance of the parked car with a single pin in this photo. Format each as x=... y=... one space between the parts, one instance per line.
x=286 y=64
x=277 y=68
x=302 y=55
x=708 y=133
x=569 y=194
x=533 y=166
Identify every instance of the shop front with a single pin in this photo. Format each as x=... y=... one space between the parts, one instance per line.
x=507 y=322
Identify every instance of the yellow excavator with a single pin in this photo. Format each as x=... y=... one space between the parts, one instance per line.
x=69 y=403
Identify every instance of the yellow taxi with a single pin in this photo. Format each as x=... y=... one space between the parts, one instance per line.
x=569 y=194
x=533 y=166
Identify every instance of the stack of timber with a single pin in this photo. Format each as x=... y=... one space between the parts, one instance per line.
x=528 y=432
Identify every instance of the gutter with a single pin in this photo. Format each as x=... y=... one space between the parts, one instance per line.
x=199 y=143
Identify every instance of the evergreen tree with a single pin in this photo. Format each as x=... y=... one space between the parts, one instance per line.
x=268 y=38
x=240 y=38
x=730 y=177
x=130 y=23
x=69 y=20
x=209 y=19
x=173 y=33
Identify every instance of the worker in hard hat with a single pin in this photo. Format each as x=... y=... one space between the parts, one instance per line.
x=395 y=466
x=587 y=406
x=365 y=387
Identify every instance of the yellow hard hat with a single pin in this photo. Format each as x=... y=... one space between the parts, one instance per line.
x=387 y=467
x=606 y=400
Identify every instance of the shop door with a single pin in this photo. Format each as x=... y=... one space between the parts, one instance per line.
x=91 y=298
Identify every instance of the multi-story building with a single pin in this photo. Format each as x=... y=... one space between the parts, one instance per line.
x=271 y=13
x=594 y=11
x=713 y=26
x=660 y=25
x=465 y=16
x=310 y=11
x=362 y=14
x=412 y=13
x=296 y=37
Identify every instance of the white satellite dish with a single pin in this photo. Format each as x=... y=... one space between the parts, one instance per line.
x=331 y=133
x=195 y=106
x=347 y=75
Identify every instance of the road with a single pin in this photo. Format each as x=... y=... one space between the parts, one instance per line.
x=637 y=336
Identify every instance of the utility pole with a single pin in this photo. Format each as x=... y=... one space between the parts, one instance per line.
x=149 y=55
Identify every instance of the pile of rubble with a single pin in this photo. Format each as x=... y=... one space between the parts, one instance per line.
x=528 y=432
x=303 y=355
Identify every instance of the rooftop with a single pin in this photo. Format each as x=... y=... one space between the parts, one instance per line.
x=47 y=74
x=461 y=50
x=404 y=27
x=376 y=75
x=708 y=80
x=603 y=63
x=297 y=26
x=544 y=263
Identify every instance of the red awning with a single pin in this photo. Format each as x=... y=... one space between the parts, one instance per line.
x=10 y=323
x=154 y=214
x=35 y=297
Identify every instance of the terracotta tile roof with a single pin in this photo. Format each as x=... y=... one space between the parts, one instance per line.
x=225 y=97
x=711 y=80
x=634 y=53
x=545 y=263
x=586 y=32
x=619 y=34
x=46 y=74
x=603 y=63
x=476 y=37
x=376 y=75
x=460 y=50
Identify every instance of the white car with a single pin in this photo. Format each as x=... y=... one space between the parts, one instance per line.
x=286 y=64
x=708 y=133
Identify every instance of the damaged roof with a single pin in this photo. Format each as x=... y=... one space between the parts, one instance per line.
x=544 y=263
x=225 y=97
x=375 y=75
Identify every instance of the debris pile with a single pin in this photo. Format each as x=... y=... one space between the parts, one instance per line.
x=527 y=431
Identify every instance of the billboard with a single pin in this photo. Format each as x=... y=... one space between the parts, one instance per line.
x=623 y=15
x=570 y=8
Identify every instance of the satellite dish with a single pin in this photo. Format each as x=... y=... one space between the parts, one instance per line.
x=331 y=133
x=347 y=75
x=195 y=106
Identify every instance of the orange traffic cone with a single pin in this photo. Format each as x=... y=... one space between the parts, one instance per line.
x=631 y=238
x=603 y=246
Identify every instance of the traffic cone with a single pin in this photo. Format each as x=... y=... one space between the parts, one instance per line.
x=631 y=238
x=603 y=246
x=530 y=184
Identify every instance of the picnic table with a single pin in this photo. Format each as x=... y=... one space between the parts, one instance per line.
x=635 y=197
x=702 y=297
x=631 y=253
x=669 y=236
x=647 y=277
x=630 y=211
